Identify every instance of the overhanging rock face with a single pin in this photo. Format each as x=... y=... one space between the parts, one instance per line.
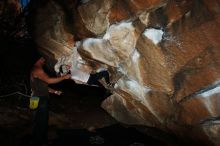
x=163 y=55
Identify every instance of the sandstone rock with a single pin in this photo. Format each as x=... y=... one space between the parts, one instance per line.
x=131 y=111
x=119 y=12
x=213 y=6
x=161 y=78
x=132 y=67
x=157 y=104
x=166 y=15
x=75 y=61
x=139 y=5
x=206 y=133
x=99 y=50
x=116 y=46
x=212 y=131
x=175 y=10
x=154 y=66
x=122 y=38
x=199 y=108
x=95 y=19
x=123 y=10
x=144 y=17
x=206 y=64
x=50 y=32
x=80 y=30
x=179 y=53
x=73 y=21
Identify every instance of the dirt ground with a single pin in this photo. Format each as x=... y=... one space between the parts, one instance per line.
x=76 y=118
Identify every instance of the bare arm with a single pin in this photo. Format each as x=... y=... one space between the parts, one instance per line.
x=39 y=73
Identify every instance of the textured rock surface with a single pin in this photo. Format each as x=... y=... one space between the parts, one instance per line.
x=16 y=118
x=196 y=110
x=9 y=10
x=50 y=31
x=171 y=83
x=96 y=19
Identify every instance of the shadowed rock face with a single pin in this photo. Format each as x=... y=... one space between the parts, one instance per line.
x=162 y=55
x=9 y=10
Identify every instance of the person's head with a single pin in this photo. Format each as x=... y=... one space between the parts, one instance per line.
x=40 y=61
x=64 y=69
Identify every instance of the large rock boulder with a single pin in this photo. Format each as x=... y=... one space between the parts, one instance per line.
x=162 y=55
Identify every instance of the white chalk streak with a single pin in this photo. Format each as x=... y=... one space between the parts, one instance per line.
x=211 y=92
x=154 y=34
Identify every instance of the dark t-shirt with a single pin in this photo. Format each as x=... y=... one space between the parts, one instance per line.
x=39 y=87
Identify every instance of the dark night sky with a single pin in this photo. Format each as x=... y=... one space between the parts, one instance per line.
x=18 y=54
x=17 y=58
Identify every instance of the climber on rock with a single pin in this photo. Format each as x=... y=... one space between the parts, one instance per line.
x=84 y=77
x=71 y=65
